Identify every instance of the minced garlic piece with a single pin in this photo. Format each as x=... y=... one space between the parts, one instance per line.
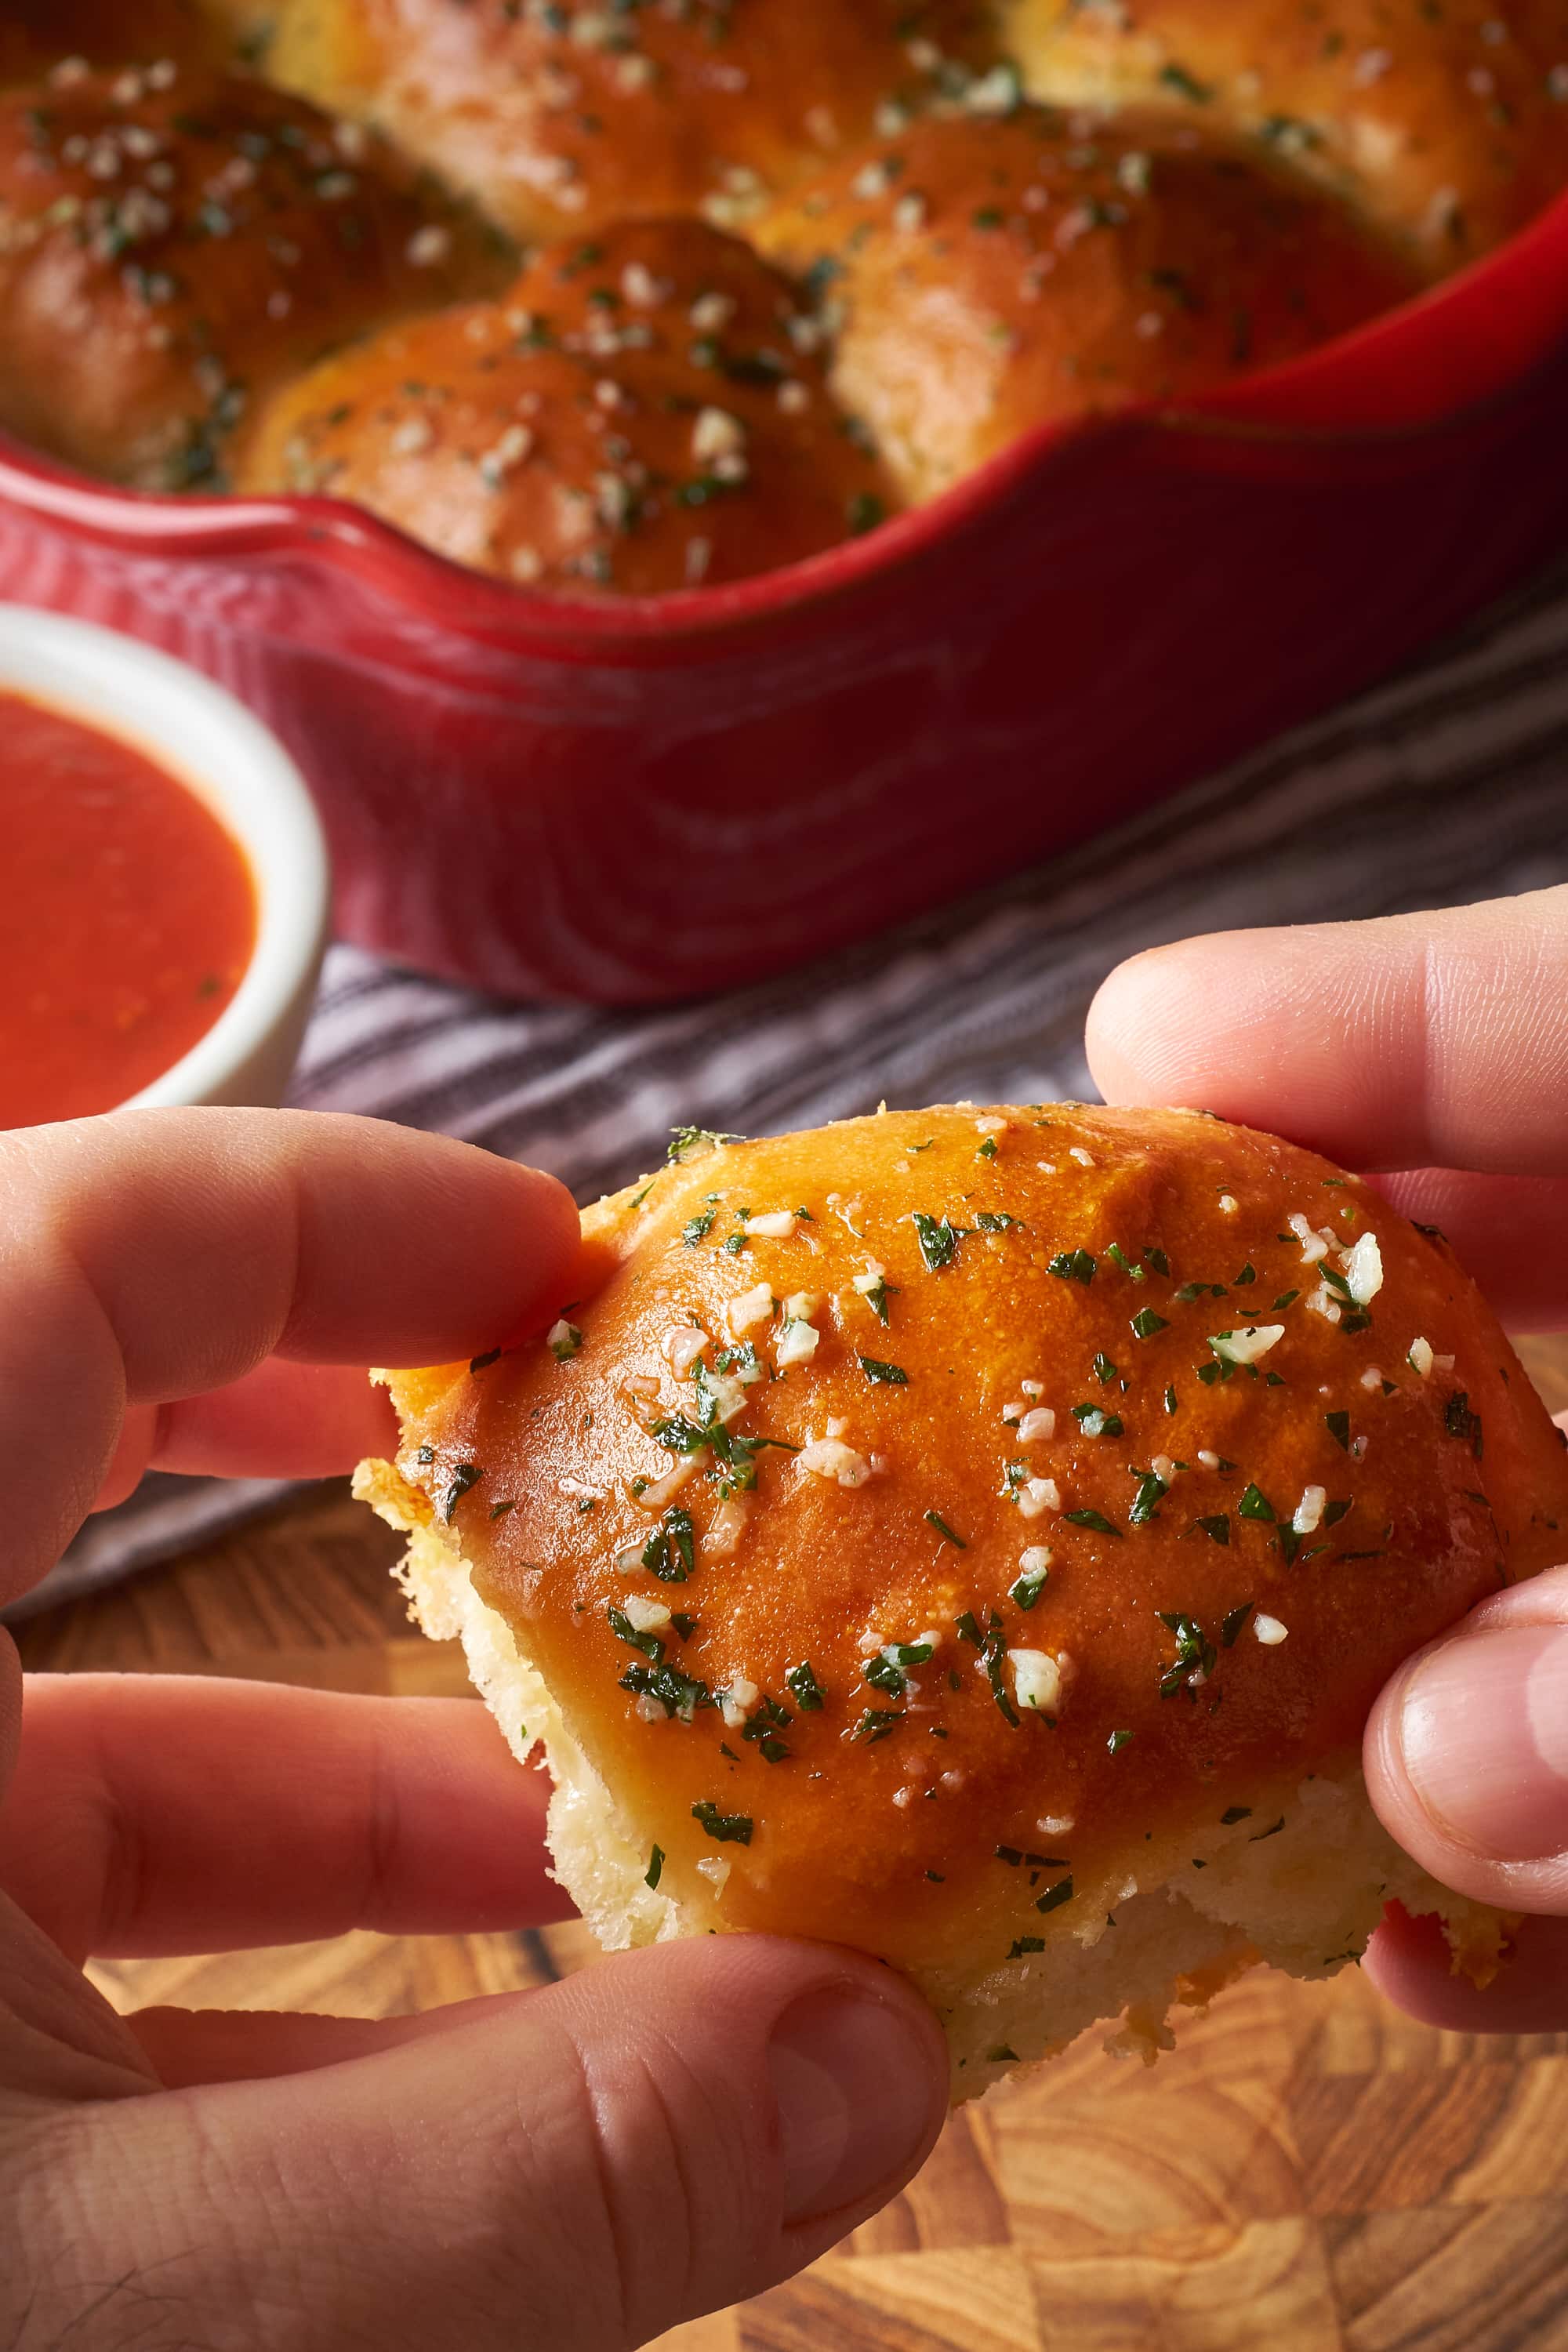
x=1246 y=1346
x=751 y=1308
x=829 y=1457
x=1039 y=1679
x=797 y=1343
x=778 y=1225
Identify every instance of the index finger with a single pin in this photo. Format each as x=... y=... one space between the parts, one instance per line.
x=163 y=1254
x=1418 y=1041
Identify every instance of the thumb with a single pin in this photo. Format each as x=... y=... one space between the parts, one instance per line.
x=577 y=2170
x=1467 y=1752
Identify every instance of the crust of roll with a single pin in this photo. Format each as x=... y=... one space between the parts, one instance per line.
x=1444 y=126
x=1021 y=1627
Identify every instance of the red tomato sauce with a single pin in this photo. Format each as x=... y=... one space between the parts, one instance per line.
x=127 y=921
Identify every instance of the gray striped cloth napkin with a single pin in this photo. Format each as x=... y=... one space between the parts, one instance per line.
x=1448 y=785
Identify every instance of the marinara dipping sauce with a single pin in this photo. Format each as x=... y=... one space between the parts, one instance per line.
x=129 y=920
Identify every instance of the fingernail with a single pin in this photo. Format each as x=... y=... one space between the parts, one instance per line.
x=1484 y=1732
x=856 y=2102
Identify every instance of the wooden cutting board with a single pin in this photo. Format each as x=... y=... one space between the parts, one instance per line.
x=1308 y=2173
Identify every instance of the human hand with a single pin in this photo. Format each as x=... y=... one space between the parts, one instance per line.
x=578 y=2169
x=1430 y=1051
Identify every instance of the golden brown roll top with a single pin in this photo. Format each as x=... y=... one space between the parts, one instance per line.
x=930 y=1525
x=173 y=241
x=36 y=35
x=645 y=410
x=1446 y=124
x=985 y=278
x=565 y=114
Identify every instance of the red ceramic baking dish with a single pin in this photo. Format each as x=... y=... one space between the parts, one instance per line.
x=625 y=801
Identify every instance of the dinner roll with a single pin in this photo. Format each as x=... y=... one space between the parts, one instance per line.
x=1447 y=125
x=36 y=35
x=643 y=412
x=977 y=1537
x=987 y=278
x=174 y=240
x=562 y=114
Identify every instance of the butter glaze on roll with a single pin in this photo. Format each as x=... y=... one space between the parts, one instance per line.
x=983 y=279
x=1446 y=125
x=561 y=115
x=977 y=1535
x=647 y=413
x=173 y=240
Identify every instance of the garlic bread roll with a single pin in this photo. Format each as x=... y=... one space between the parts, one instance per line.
x=978 y=1535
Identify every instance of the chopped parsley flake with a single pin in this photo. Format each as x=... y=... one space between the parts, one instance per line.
x=1159 y=1261
x=1029 y=1587
x=623 y=1629
x=1074 y=1266
x=1095 y=1422
x=1055 y=1896
x=1024 y=1945
x=1338 y=1425
x=876 y=1300
x=670 y=1554
x=1285 y=1299
x=1255 y=1505
x=993 y=1655
x=934 y=1520
x=655 y=1868
x=1234 y=1813
x=1235 y=1623
x=1461 y=1422
x=1118 y=1741
x=808 y=1691
x=466 y=1476
x=1105 y=1371
x=997 y=1221
x=700 y=1228
x=939 y=1241
x=1195 y=1655
x=1095 y=1520
x=887 y=1376
x=1218 y=1529
x=483 y=1363
x=688 y=1139
x=877 y=1723
x=1145 y=1324
x=1118 y=1258
x=729 y=1829
x=1146 y=1502
x=1186 y=85
x=891 y=1674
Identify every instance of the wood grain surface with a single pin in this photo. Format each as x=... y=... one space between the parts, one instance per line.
x=1308 y=2172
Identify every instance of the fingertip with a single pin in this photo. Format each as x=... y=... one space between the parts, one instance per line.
x=1409 y=1963
x=1157 y=1031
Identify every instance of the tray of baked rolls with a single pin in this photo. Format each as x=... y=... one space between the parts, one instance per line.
x=695 y=481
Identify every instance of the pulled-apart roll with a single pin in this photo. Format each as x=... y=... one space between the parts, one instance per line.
x=978 y=1537
x=1445 y=123
x=984 y=277
x=173 y=241
x=646 y=413
x=561 y=115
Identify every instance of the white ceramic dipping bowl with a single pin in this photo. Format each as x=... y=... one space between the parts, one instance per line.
x=208 y=742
